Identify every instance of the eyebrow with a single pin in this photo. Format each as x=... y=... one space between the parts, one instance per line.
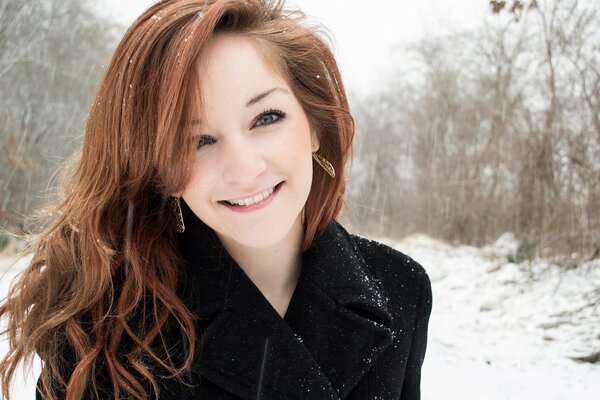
x=252 y=101
x=264 y=94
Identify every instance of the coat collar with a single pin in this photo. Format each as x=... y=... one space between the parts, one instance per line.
x=335 y=327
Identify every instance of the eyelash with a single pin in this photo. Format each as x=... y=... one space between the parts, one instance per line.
x=204 y=140
x=280 y=116
x=200 y=141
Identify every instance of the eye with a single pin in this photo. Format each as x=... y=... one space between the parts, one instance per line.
x=269 y=117
x=204 y=140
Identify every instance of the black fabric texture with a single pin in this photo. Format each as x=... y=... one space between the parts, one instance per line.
x=355 y=328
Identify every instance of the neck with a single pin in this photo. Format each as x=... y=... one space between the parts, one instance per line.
x=274 y=270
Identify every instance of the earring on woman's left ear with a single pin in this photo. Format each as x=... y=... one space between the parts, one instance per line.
x=326 y=165
x=179 y=225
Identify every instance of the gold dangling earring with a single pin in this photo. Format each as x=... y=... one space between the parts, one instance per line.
x=179 y=225
x=326 y=165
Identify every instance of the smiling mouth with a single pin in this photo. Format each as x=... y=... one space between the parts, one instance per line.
x=248 y=201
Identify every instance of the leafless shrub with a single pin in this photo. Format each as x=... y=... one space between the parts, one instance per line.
x=498 y=132
x=51 y=52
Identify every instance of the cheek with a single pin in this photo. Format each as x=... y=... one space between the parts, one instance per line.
x=201 y=180
x=295 y=154
x=301 y=139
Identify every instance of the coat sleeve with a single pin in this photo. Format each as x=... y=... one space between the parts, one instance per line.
x=411 y=388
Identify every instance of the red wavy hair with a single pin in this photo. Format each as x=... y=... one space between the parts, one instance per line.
x=109 y=254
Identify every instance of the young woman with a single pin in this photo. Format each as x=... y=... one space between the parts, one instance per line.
x=195 y=253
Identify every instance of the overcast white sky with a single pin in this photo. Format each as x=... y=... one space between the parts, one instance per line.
x=364 y=32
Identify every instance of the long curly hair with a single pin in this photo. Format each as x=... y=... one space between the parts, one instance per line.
x=105 y=270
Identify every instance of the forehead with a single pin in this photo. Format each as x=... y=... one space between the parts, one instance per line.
x=234 y=68
x=226 y=44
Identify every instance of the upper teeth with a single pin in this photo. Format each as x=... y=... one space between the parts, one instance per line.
x=252 y=200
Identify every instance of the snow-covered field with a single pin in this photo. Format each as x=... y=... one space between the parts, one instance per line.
x=24 y=385
x=495 y=332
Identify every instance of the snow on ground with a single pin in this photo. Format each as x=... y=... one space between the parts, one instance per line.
x=498 y=331
x=23 y=387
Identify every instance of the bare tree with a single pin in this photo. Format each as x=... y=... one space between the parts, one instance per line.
x=495 y=131
x=51 y=54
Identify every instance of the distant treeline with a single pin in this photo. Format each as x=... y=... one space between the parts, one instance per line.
x=484 y=132
x=477 y=133
x=51 y=57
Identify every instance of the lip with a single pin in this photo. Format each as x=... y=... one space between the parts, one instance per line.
x=253 y=194
x=255 y=206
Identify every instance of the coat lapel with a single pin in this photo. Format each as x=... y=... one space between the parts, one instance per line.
x=338 y=310
x=335 y=327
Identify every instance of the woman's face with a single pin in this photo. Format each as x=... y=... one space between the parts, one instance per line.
x=252 y=170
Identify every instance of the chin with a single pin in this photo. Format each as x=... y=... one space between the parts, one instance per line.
x=286 y=233
x=267 y=240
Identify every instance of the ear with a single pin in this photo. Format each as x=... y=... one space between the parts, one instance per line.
x=314 y=140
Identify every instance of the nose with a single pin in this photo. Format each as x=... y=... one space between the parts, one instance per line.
x=242 y=161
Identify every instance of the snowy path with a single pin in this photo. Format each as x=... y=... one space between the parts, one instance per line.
x=497 y=336
x=494 y=335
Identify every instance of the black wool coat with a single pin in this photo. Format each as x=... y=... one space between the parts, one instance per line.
x=355 y=328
